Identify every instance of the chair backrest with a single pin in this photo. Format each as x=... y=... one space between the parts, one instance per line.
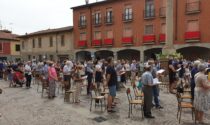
x=135 y=90
x=178 y=96
x=128 y=92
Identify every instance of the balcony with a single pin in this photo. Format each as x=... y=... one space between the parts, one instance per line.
x=193 y=7
x=108 y=42
x=148 y=39
x=162 y=38
x=82 y=23
x=127 y=17
x=193 y=36
x=127 y=41
x=149 y=14
x=162 y=12
x=108 y=20
x=82 y=44
x=96 y=43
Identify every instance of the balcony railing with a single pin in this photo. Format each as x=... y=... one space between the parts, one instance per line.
x=82 y=23
x=108 y=19
x=149 y=39
x=127 y=40
x=127 y=17
x=82 y=44
x=162 y=12
x=149 y=13
x=192 y=36
x=108 y=42
x=97 y=43
x=193 y=7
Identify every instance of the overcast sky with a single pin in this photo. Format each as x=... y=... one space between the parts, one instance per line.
x=23 y=16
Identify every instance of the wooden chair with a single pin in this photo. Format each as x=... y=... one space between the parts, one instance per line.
x=97 y=99
x=134 y=102
x=68 y=93
x=164 y=82
x=183 y=105
x=138 y=94
x=45 y=85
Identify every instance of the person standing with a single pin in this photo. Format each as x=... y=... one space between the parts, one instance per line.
x=147 y=81
x=193 y=72
x=111 y=82
x=67 y=71
x=28 y=74
x=202 y=92
x=89 y=73
x=52 y=77
x=133 y=72
x=172 y=76
x=98 y=76
x=78 y=81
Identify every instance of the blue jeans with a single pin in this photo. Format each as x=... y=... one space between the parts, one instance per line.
x=155 y=90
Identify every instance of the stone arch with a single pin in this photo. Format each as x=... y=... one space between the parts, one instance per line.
x=103 y=54
x=195 y=52
x=83 y=55
x=128 y=54
x=150 y=53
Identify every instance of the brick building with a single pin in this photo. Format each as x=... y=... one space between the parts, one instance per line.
x=52 y=44
x=9 y=46
x=135 y=29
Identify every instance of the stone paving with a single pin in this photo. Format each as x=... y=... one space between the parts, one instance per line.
x=20 y=106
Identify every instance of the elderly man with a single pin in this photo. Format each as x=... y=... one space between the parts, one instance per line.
x=67 y=71
x=147 y=81
x=28 y=74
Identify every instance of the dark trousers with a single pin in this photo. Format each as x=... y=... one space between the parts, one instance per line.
x=156 y=95
x=1 y=74
x=68 y=79
x=192 y=90
x=148 y=93
x=89 y=80
x=28 y=80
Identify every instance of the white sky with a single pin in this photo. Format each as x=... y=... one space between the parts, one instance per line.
x=23 y=16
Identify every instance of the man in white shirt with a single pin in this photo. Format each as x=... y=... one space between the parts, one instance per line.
x=67 y=72
x=28 y=74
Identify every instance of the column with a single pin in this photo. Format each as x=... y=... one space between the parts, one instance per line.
x=115 y=55
x=142 y=55
x=169 y=47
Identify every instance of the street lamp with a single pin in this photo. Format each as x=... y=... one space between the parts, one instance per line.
x=87 y=1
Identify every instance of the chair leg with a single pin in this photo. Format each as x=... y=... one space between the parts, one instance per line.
x=192 y=114
x=90 y=104
x=129 y=111
x=142 y=112
x=177 y=112
x=101 y=105
x=180 y=115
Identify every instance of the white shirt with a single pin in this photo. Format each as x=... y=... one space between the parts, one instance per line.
x=28 y=69
x=67 y=69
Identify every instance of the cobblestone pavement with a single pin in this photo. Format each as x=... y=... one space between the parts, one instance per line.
x=20 y=106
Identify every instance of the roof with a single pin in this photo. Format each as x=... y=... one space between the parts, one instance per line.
x=94 y=4
x=41 y=32
x=7 y=35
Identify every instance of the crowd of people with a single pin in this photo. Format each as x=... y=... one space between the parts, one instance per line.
x=111 y=74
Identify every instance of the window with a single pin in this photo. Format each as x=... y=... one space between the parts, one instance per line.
x=109 y=16
x=51 y=41
x=163 y=9
x=192 y=25
x=82 y=20
x=193 y=6
x=97 y=35
x=149 y=9
x=148 y=29
x=33 y=43
x=51 y=57
x=17 y=47
x=127 y=32
x=109 y=34
x=83 y=36
x=97 y=18
x=23 y=45
x=29 y=57
x=163 y=28
x=40 y=42
x=40 y=57
x=128 y=14
x=1 y=47
x=62 y=40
